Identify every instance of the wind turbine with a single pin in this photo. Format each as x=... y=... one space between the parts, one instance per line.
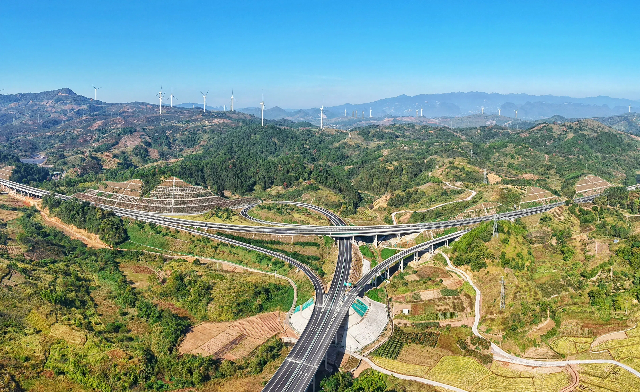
x=516 y=114
x=204 y=96
x=321 y=109
x=172 y=97
x=95 y=92
x=498 y=111
x=420 y=112
x=483 y=110
x=370 y=113
x=160 y=96
x=262 y=109
x=232 y=100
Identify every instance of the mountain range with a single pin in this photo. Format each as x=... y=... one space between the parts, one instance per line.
x=52 y=108
x=528 y=107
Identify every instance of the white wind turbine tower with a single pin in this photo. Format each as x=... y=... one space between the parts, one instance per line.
x=262 y=109
x=498 y=111
x=172 y=97
x=204 y=96
x=160 y=96
x=370 y=113
x=420 y=112
x=232 y=100
x=345 y=112
x=95 y=92
x=483 y=110
x=321 y=109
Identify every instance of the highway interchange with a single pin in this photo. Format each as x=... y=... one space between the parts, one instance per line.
x=332 y=306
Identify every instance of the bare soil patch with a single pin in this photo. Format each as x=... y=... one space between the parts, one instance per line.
x=541 y=328
x=428 y=271
x=363 y=366
x=421 y=355
x=493 y=178
x=232 y=340
x=611 y=336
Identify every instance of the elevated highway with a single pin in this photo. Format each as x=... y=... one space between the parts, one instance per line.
x=332 y=306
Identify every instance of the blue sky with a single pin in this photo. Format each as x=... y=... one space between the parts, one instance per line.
x=303 y=54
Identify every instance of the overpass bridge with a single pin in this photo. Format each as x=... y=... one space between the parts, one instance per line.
x=332 y=305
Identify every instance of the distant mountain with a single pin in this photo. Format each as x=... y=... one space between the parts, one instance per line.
x=528 y=107
x=532 y=107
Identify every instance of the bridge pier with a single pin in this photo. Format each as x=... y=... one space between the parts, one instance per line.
x=402 y=265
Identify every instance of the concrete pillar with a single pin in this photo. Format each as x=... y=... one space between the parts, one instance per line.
x=402 y=265
x=376 y=241
x=387 y=274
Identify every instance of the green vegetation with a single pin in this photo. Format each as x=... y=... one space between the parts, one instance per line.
x=218 y=297
x=74 y=313
x=471 y=248
x=388 y=252
x=448 y=211
x=368 y=381
x=378 y=295
x=83 y=215
x=27 y=173
x=415 y=196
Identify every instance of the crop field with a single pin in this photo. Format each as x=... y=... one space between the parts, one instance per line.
x=614 y=344
x=618 y=380
x=495 y=383
x=468 y=374
x=416 y=354
x=462 y=372
x=401 y=367
x=624 y=352
x=532 y=383
x=571 y=345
